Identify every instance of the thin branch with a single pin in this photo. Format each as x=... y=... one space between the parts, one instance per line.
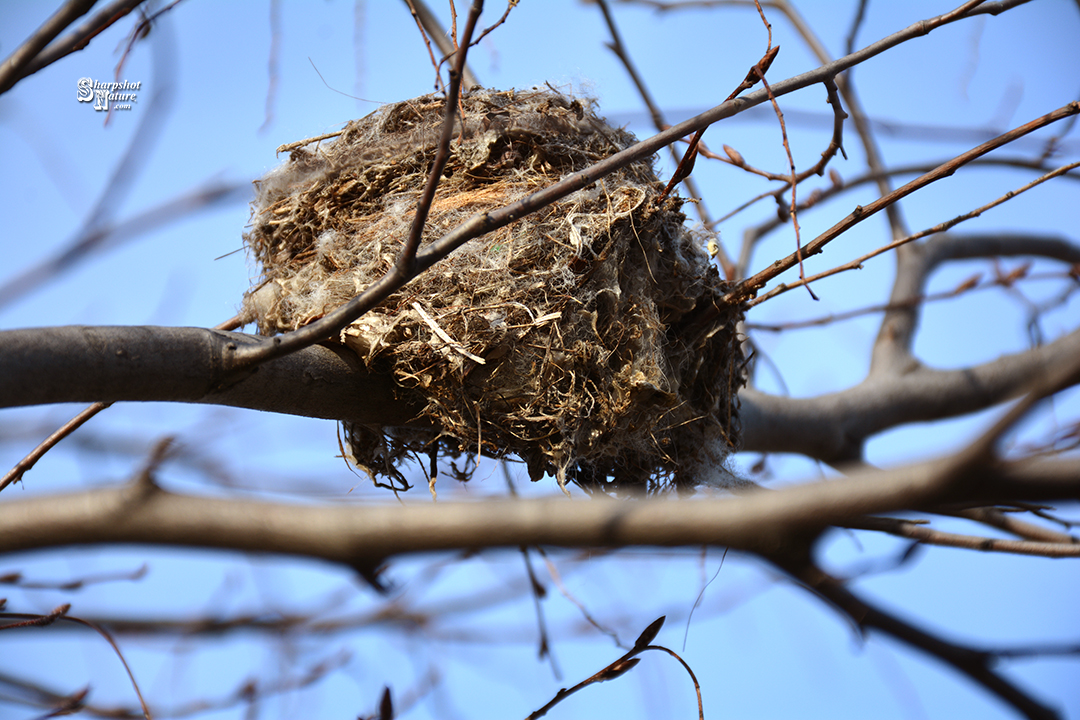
x=510 y=5
x=79 y=38
x=994 y=517
x=753 y=77
x=839 y=185
x=750 y=286
x=856 y=264
x=621 y=666
x=616 y=46
x=60 y=614
x=16 y=473
x=14 y=68
x=430 y=27
x=930 y=536
x=972 y=284
x=404 y=265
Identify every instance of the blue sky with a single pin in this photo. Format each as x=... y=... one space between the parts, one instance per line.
x=761 y=647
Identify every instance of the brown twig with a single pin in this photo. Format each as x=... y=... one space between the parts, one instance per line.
x=753 y=76
x=839 y=185
x=14 y=68
x=556 y=577
x=856 y=264
x=80 y=37
x=929 y=536
x=616 y=46
x=972 y=284
x=18 y=580
x=510 y=5
x=429 y=27
x=749 y=287
x=620 y=667
x=16 y=473
x=405 y=264
x=995 y=517
x=61 y=614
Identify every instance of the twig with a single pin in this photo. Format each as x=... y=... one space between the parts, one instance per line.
x=18 y=580
x=793 y=208
x=753 y=76
x=289 y=147
x=858 y=116
x=538 y=594
x=621 y=666
x=273 y=63
x=79 y=38
x=839 y=185
x=422 y=21
x=994 y=517
x=16 y=473
x=749 y=287
x=13 y=69
x=930 y=536
x=556 y=577
x=60 y=614
x=856 y=264
x=970 y=285
x=429 y=26
x=510 y=5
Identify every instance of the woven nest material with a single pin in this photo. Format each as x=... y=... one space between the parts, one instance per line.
x=558 y=339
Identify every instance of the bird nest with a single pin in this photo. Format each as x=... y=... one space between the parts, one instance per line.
x=566 y=339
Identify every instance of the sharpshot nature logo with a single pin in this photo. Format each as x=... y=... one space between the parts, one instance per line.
x=109 y=95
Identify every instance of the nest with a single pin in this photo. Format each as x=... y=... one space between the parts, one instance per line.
x=565 y=339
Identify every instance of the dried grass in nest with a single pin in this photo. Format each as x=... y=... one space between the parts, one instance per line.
x=556 y=339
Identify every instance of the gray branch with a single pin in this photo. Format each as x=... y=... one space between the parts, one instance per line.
x=892 y=351
x=834 y=427
x=356 y=535
x=163 y=364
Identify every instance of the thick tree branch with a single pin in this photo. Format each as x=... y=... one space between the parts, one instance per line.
x=833 y=427
x=435 y=30
x=80 y=37
x=160 y=364
x=763 y=522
